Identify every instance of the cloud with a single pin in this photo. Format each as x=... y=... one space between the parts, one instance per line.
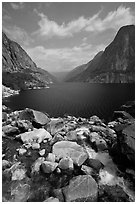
x=14 y=32
x=84 y=39
x=50 y=28
x=6 y=17
x=17 y=34
x=113 y=20
x=16 y=6
x=63 y=59
x=5 y=14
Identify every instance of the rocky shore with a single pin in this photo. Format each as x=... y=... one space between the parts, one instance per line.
x=68 y=159
x=6 y=92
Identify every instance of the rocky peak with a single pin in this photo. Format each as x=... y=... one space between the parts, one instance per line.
x=14 y=58
x=116 y=64
x=122 y=50
x=18 y=69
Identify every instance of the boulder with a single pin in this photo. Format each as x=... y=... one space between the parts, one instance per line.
x=57 y=137
x=109 y=178
x=70 y=126
x=27 y=145
x=42 y=152
x=124 y=147
x=40 y=189
x=129 y=107
x=10 y=130
x=81 y=188
x=20 y=192
x=98 y=142
x=51 y=199
x=57 y=193
x=14 y=115
x=36 y=165
x=22 y=151
x=94 y=119
x=51 y=157
x=34 y=116
x=5 y=164
x=83 y=131
x=18 y=171
x=87 y=170
x=112 y=124
x=24 y=125
x=72 y=136
x=94 y=136
x=4 y=116
x=98 y=128
x=55 y=125
x=35 y=145
x=49 y=167
x=37 y=135
x=70 y=149
x=112 y=194
x=95 y=164
x=101 y=145
x=19 y=174
x=131 y=173
x=105 y=132
x=58 y=170
x=103 y=157
x=127 y=142
x=66 y=163
x=122 y=114
x=5 y=108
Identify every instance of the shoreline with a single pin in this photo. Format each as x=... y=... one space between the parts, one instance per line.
x=7 y=92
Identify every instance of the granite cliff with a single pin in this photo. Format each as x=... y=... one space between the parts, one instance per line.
x=115 y=65
x=18 y=70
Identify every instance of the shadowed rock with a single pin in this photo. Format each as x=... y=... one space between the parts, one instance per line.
x=37 y=117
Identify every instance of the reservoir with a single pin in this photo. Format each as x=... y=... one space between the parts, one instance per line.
x=77 y=99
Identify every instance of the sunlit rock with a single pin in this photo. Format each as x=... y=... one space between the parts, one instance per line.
x=72 y=149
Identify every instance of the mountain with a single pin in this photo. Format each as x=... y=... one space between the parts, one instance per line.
x=116 y=64
x=18 y=69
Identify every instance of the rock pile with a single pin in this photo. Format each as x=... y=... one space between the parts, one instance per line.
x=67 y=159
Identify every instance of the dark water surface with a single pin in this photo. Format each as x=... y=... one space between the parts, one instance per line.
x=78 y=99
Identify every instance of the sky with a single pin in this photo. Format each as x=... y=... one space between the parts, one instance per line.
x=60 y=36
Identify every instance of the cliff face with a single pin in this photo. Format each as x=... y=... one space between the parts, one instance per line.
x=116 y=64
x=18 y=69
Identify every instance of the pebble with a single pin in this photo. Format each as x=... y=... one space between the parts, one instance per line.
x=35 y=146
x=22 y=151
x=42 y=152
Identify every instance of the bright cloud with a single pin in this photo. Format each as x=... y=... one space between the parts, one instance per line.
x=5 y=15
x=63 y=59
x=17 y=6
x=114 y=20
x=17 y=34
